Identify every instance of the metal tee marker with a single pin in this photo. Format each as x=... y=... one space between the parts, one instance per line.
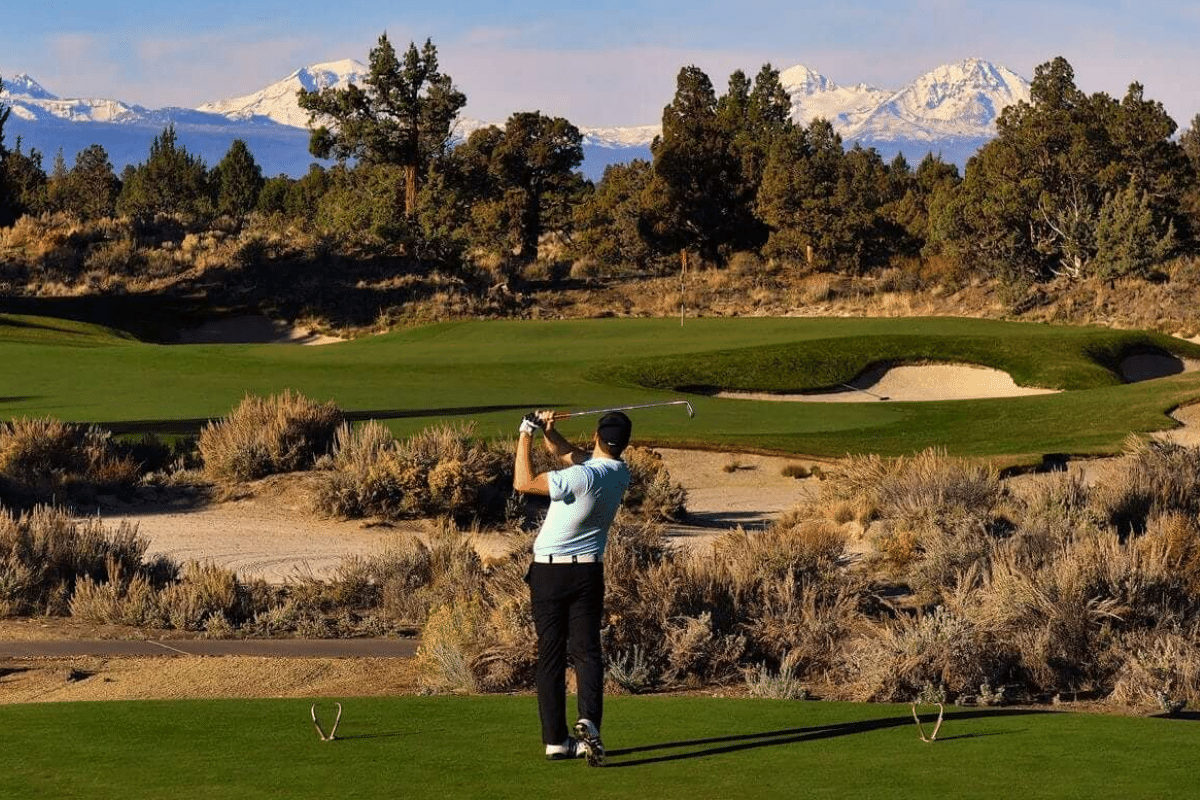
x=320 y=730
x=690 y=411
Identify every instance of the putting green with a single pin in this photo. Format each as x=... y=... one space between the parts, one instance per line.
x=489 y=372
x=488 y=747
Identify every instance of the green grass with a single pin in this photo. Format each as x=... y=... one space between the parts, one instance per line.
x=489 y=372
x=667 y=747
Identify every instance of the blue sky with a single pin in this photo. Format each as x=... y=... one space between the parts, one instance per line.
x=606 y=62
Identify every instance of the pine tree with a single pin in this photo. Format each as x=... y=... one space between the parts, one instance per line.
x=521 y=178
x=7 y=211
x=610 y=221
x=1033 y=199
x=94 y=186
x=25 y=184
x=239 y=180
x=403 y=117
x=696 y=175
x=171 y=181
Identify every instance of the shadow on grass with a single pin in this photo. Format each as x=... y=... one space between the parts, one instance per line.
x=390 y=735
x=195 y=424
x=751 y=741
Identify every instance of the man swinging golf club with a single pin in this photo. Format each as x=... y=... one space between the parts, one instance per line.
x=566 y=578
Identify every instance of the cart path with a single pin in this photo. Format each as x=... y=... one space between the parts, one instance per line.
x=259 y=648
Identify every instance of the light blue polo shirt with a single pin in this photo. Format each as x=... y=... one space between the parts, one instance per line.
x=583 y=502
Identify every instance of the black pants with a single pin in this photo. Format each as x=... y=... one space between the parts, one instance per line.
x=568 y=603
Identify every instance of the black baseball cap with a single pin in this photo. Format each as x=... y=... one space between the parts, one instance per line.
x=614 y=430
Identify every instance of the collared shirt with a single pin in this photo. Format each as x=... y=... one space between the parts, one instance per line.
x=583 y=502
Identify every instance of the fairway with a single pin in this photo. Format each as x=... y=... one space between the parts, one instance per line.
x=488 y=372
x=668 y=747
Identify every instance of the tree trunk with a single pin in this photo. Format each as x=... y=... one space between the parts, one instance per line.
x=683 y=259
x=410 y=190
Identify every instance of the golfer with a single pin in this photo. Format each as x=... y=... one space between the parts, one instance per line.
x=566 y=578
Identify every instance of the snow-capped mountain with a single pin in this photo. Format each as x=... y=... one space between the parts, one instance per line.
x=951 y=110
x=30 y=101
x=814 y=95
x=956 y=101
x=277 y=102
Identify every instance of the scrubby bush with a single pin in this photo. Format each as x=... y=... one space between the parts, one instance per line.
x=651 y=491
x=440 y=470
x=45 y=553
x=1160 y=477
x=262 y=436
x=42 y=460
x=893 y=661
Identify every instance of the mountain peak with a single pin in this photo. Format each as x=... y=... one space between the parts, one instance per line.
x=804 y=79
x=960 y=100
x=277 y=102
x=26 y=86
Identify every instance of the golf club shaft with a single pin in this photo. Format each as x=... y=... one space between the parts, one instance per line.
x=864 y=391
x=564 y=415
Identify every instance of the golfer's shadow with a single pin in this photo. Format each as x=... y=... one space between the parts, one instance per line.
x=720 y=745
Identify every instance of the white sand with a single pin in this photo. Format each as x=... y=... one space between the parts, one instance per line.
x=913 y=384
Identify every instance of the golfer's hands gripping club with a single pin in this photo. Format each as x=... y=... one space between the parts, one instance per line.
x=532 y=422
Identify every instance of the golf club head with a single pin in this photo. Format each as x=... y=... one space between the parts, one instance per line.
x=690 y=410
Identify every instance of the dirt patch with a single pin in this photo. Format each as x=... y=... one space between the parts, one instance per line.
x=918 y=383
x=191 y=677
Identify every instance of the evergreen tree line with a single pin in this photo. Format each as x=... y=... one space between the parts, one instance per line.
x=1073 y=184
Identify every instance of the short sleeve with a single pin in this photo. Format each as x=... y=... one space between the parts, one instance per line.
x=559 y=487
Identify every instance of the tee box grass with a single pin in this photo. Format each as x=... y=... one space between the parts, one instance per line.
x=662 y=747
x=488 y=373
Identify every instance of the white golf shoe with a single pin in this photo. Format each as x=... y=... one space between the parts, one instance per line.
x=588 y=736
x=562 y=752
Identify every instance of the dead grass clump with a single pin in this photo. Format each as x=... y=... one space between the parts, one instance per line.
x=1161 y=477
x=699 y=654
x=45 y=552
x=651 y=491
x=121 y=599
x=1161 y=672
x=204 y=593
x=438 y=471
x=796 y=549
x=263 y=436
x=783 y=684
x=44 y=459
x=894 y=662
x=452 y=638
x=805 y=624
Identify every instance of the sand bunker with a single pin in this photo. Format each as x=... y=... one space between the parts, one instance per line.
x=1149 y=366
x=919 y=383
x=252 y=329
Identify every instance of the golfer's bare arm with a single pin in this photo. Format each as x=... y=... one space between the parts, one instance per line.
x=557 y=444
x=524 y=479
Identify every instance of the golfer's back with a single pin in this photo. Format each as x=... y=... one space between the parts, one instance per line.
x=583 y=502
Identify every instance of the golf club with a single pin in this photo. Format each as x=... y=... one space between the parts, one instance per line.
x=690 y=412
x=864 y=391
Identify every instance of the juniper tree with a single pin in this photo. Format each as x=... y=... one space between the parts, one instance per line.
x=696 y=175
x=1032 y=199
x=239 y=180
x=170 y=181
x=522 y=174
x=402 y=116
